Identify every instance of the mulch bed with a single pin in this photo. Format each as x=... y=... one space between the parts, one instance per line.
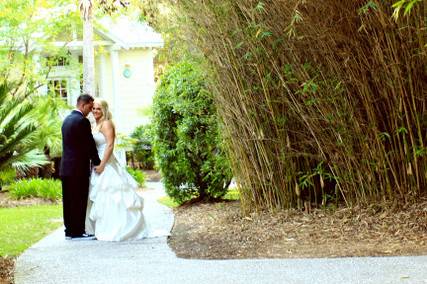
x=6 y=201
x=6 y=270
x=220 y=231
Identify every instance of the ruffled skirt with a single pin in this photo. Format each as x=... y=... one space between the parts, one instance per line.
x=114 y=210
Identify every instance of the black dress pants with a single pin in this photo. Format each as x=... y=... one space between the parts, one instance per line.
x=75 y=192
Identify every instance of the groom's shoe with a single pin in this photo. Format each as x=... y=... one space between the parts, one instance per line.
x=83 y=237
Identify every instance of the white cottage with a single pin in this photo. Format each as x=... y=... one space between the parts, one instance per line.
x=124 y=69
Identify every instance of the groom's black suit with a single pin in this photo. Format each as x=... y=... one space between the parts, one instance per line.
x=79 y=150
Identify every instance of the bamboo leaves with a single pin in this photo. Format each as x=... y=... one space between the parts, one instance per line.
x=298 y=86
x=405 y=5
x=290 y=30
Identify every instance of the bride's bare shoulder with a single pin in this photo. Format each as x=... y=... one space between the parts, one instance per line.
x=107 y=125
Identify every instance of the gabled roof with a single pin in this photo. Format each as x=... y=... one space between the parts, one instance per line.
x=121 y=31
x=127 y=33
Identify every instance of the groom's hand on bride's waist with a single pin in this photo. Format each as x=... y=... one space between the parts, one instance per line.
x=99 y=169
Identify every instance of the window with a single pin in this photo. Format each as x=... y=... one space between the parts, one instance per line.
x=59 y=88
x=58 y=60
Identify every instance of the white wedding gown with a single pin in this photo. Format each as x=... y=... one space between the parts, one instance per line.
x=114 y=210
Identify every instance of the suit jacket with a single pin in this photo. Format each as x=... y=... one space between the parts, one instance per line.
x=78 y=146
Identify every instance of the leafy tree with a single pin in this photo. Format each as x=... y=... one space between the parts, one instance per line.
x=30 y=123
x=187 y=143
x=179 y=45
x=27 y=27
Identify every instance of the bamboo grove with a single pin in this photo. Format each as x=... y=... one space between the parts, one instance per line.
x=321 y=101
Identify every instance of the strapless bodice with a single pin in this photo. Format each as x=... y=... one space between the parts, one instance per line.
x=99 y=138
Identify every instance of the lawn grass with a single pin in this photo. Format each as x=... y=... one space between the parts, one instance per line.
x=167 y=201
x=232 y=194
x=20 y=227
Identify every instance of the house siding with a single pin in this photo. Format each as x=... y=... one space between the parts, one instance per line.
x=134 y=93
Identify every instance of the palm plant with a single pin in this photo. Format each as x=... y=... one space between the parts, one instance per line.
x=47 y=112
x=17 y=130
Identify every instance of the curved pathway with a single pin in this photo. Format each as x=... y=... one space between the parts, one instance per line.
x=54 y=260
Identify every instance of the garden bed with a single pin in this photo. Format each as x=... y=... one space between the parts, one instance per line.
x=6 y=201
x=219 y=231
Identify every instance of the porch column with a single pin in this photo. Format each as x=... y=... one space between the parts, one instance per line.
x=102 y=66
x=115 y=69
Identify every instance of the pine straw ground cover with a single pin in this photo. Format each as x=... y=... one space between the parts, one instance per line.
x=219 y=231
x=7 y=265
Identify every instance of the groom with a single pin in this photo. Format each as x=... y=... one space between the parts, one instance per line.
x=79 y=150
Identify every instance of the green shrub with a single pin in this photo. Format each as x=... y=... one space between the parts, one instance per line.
x=44 y=188
x=142 y=148
x=7 y=176
x=138 y=175
x=232 y=194
x=187 y=144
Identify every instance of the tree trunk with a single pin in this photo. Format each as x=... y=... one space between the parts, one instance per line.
x=88 y=52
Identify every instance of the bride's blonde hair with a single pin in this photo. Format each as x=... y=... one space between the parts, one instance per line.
x=106 y=114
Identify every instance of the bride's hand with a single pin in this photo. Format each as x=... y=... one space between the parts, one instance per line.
x=99 y=169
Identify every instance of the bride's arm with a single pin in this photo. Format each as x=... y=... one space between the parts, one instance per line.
x=109 y=133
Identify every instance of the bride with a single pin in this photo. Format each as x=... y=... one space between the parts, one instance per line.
x=114 y=211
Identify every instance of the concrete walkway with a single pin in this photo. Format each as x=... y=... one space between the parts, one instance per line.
x=54 y=260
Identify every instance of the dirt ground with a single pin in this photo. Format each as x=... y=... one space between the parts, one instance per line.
x=219 y=231
x=5 y=201
x=152 y=175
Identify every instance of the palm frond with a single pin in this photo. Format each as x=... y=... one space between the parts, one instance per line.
x=47 y=115
x=32 y=159
x=6 y=109
x=18 y=140
x=26 y=129
x=50 y=136
x=3 y=93
x=17 y=119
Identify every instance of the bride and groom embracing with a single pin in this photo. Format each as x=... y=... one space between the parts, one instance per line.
x=98 y=194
